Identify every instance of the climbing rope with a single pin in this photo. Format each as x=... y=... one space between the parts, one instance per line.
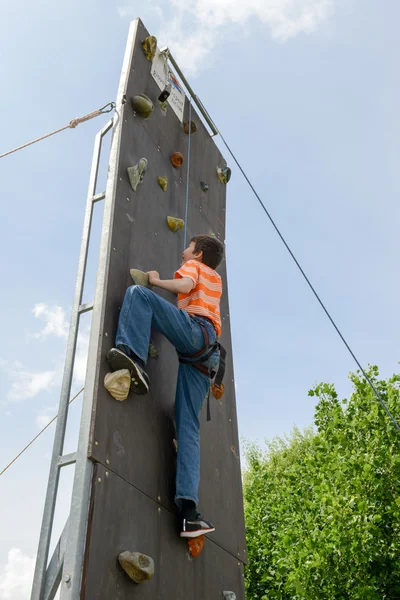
x=389 y=414
x=71 y=125
x=36 y=436
x=187 y=174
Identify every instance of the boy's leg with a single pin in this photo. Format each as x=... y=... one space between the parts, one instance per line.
x=142 y=310
x=191 y=391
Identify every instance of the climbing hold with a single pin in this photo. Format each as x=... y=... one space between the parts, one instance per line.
x=149 y=46
x=175 y=444
x=204 y=186
x=140 y=278
x=175 y=224
x=163 y=181
x=218 y=391
x=153 y=352
x=164 y=106
x=143 y=105
x=136 y=173
x=118 y=384
x=224 y=174
x=193 y=127
x=196 y=545
x=177 y=159
x=137 y=566
x=165 y=94
x=229 y=595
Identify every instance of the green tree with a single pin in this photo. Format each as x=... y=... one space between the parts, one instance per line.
x=323 y=507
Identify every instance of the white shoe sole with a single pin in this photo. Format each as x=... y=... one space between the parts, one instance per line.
x=198 y=533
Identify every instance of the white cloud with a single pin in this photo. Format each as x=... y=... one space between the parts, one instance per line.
x=16 y=578
x=198 y=24
x=27 y=384
x=54 y=318
x=43 y=420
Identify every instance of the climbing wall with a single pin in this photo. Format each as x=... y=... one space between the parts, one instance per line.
x=132 y=505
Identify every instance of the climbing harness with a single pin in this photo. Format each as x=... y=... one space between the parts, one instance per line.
x=198 y=359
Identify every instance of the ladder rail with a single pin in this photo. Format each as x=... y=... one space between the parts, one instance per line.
x=59 y=436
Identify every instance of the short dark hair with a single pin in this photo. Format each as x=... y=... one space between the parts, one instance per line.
x=212 y=248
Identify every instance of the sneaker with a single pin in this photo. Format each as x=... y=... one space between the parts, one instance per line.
x=192 y=528
x=140 y=382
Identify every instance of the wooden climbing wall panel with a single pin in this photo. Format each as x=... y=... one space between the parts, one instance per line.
x=132 y=508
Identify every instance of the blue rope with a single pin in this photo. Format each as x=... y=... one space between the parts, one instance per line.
x=187 y=175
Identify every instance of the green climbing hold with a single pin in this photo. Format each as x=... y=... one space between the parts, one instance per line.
x=204 y=186
x=149 y=46
x=175 y=224
x=143 y=105
x=137 y=172
x=153 y=352
x=137 y=566
x=164 y=106
x=140 y=278
x=224 y=174
x=163 y=182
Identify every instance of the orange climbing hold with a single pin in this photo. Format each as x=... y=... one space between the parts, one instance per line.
x=196 y=545
x=177 y=159
x=218 y=391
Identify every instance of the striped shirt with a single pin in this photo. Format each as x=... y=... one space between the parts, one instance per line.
x=203 y=300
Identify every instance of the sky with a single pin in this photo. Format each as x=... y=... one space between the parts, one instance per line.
x=306 y=93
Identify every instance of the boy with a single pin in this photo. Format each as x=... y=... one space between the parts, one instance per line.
x=193 y=328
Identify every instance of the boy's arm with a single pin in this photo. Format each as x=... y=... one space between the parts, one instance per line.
x=183 y=285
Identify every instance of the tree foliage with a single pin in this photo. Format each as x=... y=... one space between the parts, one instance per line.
x=323 y=507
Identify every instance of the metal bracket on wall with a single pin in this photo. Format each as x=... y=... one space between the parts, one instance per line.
x=167 y=53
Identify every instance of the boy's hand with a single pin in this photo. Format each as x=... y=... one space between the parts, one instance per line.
x=154 y=276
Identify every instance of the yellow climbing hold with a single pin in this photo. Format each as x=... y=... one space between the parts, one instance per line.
x=140 y=278
x=118 y=384
x=163 y=181
x=149 y=47
x=175 y=224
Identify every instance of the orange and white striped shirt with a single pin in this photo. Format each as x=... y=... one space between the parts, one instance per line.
x=204 y=298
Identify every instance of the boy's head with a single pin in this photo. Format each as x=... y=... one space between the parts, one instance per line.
x=205 y=248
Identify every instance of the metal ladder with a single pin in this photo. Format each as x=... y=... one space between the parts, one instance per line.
x=65 y=566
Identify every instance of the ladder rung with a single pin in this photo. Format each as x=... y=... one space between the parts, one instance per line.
x=85 y=308
x=99 y=197
x=67 y=459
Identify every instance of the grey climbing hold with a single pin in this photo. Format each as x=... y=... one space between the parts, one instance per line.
x=140 y=278
x=224 y=174
x=139 y=567
x=204 y=186
x=136 y=173
x=143 y=105
x=229 y=595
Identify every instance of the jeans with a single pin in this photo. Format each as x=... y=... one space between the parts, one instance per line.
x=142 y=311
